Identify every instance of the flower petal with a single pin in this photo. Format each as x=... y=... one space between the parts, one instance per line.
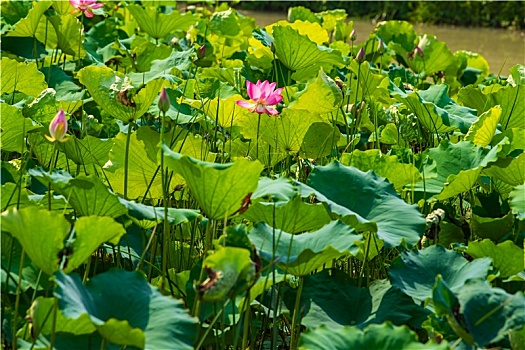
x=264 y=90
x=260 y=108
x=97 y=6
x=245 y=104
x=88 y=13
x=271 y=111
x=275 y=98
x=75 y=3
x=253 y=90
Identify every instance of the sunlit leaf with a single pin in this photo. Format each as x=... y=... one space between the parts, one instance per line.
x=482 y=130
x=20 y=76
x=28 y=26
x=506 y=257
x=14 y=128
x=158 y=25
x=301 y=254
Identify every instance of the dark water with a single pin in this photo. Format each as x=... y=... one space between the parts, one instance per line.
x=496 y=45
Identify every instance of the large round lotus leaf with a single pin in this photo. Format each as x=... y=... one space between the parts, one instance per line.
x=125 y=309
x=457 y=167
x=304 y=253
x=517 y=201
x=506 y=257
x=293 y=216
x=493 y=228
x=490 y=313
x=435 y=110
x=334 y=300
x=87 y=194
x=399 y=174
x=220 y=189
x=14 y=128
x=21 y=76
x=414 y=272
x=114 y=92
x=158 y=25
x=384 y=336
x=40 y=232
x=482 y=130
x=320 y=96
x=366 y=202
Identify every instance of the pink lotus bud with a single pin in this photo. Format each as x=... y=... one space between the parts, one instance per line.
x=360 y=56
x=58 y=128
x=380 y=47
x=201 y=52
x=164 y=101
x=418 y=51
x=353 y=35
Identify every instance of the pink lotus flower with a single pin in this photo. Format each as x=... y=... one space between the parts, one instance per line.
x=85 y=6
x=58 y=128
x=263 y=95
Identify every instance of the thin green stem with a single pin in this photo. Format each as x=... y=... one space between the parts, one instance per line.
x=126 y=160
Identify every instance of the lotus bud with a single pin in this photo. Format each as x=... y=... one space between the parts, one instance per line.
x=360 y=56
x=164 y=101
x=201 y=52
x=418 y=51
x=58 y=128
x=380 y=47
x=353 y=35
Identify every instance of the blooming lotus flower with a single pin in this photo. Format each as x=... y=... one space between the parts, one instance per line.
x=85 y=6
x=58 y=128
x=263 y=95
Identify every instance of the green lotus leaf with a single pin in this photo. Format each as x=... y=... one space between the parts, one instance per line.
x=90 y=233
x=517 y=201
x=65 y=87
x=509 y=170
x=147 y=52
x=482 y=130
x=14 y=128
x=87 y=194
x=226 y=112
x=220 y=189
x=321 y=96
x=414 y=272
x=67 y=28
x=176 y=216
x=19 y=76
x=300 y=13
x=367 y=203
x=29 y=25
x=40 y=232
x=398 y=32
x=384 y=336
x=40 y=310
x=158 y=25
x=458 y=167
x=111 y=90
x=279 y=190
x=11 y=259
x=312 y=30
x=89 y=150
x=229 y=270
x=490 y=313
x=45 y=151
x=516 y=138
x=13 y=12
x=43 y=108
x=493 y=228
x=319 y=141
x=293 y=216
x=518 y=74
x=506 y=257
x=301 y=254
x=332 y=17
x=399 y=174
x=472 y=61
x=225 y=23
x=508 y=97
x=181 y=113
x=300 y=54
x=126 y=310
x=436 y=57
x=334 y=300
x=437 y=112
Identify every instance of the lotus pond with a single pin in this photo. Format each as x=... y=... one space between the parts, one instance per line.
x=179 y=179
